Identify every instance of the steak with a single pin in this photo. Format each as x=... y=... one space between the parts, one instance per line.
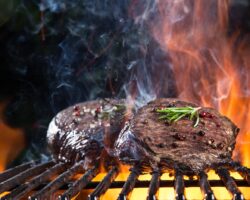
x=151 y=142
x=77 y=133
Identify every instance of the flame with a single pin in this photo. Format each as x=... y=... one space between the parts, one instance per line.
x=11 y=141
x=211 y=66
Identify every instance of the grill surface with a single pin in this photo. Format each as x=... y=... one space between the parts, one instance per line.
x=32 y=181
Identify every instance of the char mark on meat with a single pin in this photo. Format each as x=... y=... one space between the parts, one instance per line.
x=77 y=133
x=149 y=141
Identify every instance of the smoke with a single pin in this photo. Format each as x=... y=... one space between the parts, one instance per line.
x=58 y=53
x=107 y=50
x=205 y=41
x=82 y=50
x=63 y=52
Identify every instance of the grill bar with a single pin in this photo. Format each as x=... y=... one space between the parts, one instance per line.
x=79 y=184
x=103 y=186
x=205 y=187
x=15 y=170
x=246 y=176
x=35 y=178
x=163 y=183
x=243 y=171
x=23 y=190
x=179 y=186
x=20 y=178
x=57 y=183
x=154 y=185
x=230 y=183
x=129 y=184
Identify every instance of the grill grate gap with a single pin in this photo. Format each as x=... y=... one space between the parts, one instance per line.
x=20 y=178
x=179 y=186
x=57 y=183
x=230 y=183
x=35 y=178
x=205 y=187
x=129 y=184
x=22 y=190
x=154 y=186
x=15 y=170
x=78 y=185
x=103 y=186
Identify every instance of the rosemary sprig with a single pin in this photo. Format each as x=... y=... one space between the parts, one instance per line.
x=174 y=114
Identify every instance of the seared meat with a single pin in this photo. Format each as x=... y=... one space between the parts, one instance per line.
x=149 y=141
x=77 y=133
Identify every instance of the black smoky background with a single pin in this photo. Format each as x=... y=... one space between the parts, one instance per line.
x=56 y=53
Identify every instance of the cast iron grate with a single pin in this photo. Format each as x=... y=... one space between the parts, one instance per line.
x=34 y=176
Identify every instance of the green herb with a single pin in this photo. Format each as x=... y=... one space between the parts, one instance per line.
x=120 y=107
x=112 y=111
x=174 y=114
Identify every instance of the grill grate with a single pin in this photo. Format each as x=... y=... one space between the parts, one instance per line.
x=129 y=184
x=34 y=177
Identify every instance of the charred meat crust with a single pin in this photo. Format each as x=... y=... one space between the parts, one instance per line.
x=178 y=144
x=77 y=133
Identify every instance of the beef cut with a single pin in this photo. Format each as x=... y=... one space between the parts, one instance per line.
x=151 y=142
x=77 y=133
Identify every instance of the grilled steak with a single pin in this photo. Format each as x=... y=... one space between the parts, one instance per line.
x=149 y=141
x=77 y=133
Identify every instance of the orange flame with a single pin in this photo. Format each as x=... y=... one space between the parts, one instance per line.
x=211 y=66
x=11 y=141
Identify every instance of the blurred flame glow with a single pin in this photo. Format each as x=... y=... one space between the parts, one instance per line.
x=11 y=141
x=211 y=66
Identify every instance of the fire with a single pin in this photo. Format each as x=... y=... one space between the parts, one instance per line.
x=211 y=66
x=11 y=141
